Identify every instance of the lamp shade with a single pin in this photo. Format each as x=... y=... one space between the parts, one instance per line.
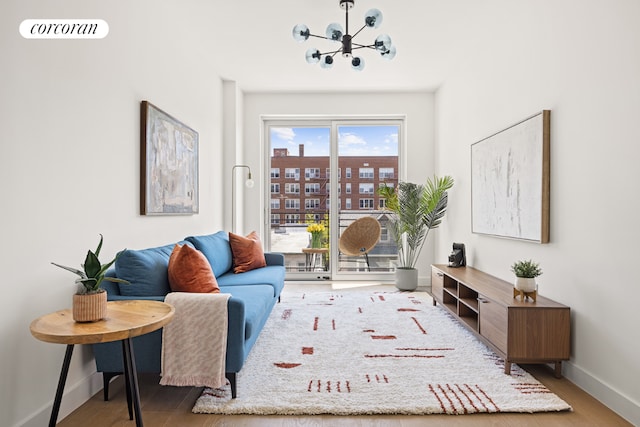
x=300 y=33
x=383 y=42
x=334 y=32
x=373 y=18
x=389 y=54
x=357 y=63
x=313 y=56
x=327 y=62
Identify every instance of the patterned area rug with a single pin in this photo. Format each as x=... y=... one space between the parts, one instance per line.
x=356 y=351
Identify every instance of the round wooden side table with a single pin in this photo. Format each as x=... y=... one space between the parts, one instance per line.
x=314 y=257
x=125 y=320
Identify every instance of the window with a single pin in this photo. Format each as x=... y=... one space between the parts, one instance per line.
x=384 y=234
x=292 y=188
x=347 y=204
x=292 y=218
x=312 y=188
x=366 y=188
x=348 y=172
x=292 y=173
x=312 y=173
x=275 y=204
x=366 y=173
x=275 y=188
x=312 y=203
x=382 y=203
x=366 y=204
x=292 y=204
x=386 y=173
x=328 y=203
x=275 y=219
x=348 y=188
x=275 y=172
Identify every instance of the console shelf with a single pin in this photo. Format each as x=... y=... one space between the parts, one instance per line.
x=519 y=331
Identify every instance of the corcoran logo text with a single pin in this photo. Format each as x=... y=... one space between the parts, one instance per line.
x=64 y=29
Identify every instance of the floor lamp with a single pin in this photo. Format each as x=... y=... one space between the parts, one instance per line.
x=249 y=183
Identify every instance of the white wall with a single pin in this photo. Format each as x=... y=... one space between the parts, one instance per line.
x=69 y=167
x=418 y=108
x=580 y=60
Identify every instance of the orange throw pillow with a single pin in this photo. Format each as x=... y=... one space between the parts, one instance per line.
x=190 y=271
x=247 y=252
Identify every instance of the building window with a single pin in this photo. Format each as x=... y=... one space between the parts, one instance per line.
x=386 y=173
x=366 y=173
x=292 y=218
x=347 y=188
x=275 y=203
x=312 y=203
x=366 y=204
x=292 y=173
x=312 y=173
x=275 y=219
x=384 y=234
x=292 y=188
x=275 y=173
x=382 y=203
x=292 y=204
x=328 y=203
x=348 y=172
x=312 y=188
x=366 y=188
x=275 y=188
x=347 y=204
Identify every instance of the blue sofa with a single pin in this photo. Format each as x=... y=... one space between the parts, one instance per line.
x=253 y=296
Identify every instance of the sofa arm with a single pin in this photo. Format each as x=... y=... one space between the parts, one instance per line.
x=235 y=335
x=274 y=258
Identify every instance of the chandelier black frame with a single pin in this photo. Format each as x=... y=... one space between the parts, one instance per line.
x=334 y=32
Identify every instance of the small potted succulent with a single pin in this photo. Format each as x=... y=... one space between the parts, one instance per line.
x=90 y=300
x=526 y=271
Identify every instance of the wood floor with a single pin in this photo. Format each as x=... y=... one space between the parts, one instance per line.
x=171 y=407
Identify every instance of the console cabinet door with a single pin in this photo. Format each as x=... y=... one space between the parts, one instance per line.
x=437 y=284
x=493 y=322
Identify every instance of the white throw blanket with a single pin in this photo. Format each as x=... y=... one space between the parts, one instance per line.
x=194 y=343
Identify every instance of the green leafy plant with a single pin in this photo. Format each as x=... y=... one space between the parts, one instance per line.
x=92 y=273
x=526 y=268
x=415 y=210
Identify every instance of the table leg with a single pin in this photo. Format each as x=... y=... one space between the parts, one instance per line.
x=133 y=379
x=127 y=379
x=63 y=379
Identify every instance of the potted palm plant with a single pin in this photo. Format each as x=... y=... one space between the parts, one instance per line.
x=90 y=300
x=414 y=209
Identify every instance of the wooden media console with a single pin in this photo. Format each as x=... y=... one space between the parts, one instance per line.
x=520 y=331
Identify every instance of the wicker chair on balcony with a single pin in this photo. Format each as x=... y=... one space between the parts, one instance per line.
x=360 y=238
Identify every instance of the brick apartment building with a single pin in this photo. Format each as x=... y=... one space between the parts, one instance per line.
x=300 y=185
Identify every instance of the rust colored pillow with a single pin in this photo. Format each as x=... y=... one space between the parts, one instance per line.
x=190 y=271
x=247 y=252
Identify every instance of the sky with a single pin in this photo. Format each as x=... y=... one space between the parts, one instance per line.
x=352 y=140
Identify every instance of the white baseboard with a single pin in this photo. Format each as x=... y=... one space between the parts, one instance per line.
x=74 y=396
x=613 y=399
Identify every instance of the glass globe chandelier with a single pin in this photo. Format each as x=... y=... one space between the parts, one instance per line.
x=372 y=19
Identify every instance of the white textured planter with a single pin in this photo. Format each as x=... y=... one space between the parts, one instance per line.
x=407 y=279
x=525 y=284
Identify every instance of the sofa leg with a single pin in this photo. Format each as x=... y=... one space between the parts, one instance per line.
x=106 y=379
x=231 y=376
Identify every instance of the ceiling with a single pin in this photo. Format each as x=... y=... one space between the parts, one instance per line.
x=259 y=53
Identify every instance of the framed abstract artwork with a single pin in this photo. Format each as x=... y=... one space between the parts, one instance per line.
x=510 y=181
x=168 y=164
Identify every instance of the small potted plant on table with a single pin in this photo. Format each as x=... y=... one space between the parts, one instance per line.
x=526 y=271
x=90 y=300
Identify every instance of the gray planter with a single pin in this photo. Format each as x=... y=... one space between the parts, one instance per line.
x=407 y=279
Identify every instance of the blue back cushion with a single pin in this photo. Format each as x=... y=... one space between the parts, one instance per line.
x=216 y=249
x=146 y=271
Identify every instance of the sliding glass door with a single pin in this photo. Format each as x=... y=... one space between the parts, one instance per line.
x=323 y=177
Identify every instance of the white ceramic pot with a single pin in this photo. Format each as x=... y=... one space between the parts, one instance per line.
x=407 y=279
x=525 y=284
